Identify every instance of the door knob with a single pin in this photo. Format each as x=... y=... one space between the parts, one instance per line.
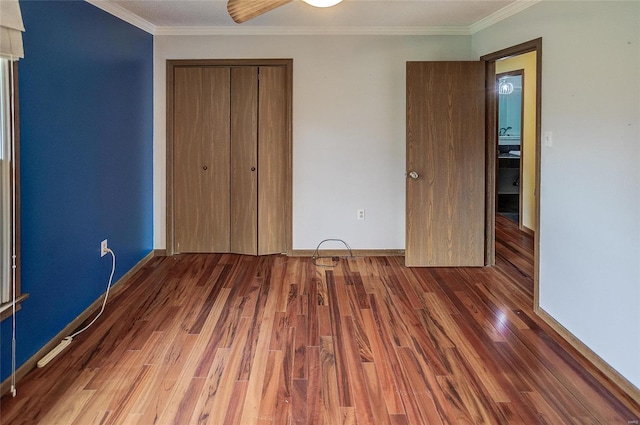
x=253 y=168
x=204 y=167
x=413 y=175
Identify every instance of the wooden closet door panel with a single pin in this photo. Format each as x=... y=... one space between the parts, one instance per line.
x=244 y=160
x=201 y=159
x=273 y=151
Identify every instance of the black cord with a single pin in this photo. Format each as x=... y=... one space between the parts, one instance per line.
x=334 y=259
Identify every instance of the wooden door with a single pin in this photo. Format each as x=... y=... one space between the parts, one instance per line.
x=201 y=159
x=273 y=160
x=244 y=160
x=445 y=164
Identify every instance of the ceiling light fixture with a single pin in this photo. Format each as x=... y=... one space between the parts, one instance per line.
x=505 y=87
x=322 y=3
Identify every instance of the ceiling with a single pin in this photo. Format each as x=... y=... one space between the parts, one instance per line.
x=350 y=16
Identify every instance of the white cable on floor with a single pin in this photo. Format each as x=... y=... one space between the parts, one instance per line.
x=106 y=297
x=66 y=341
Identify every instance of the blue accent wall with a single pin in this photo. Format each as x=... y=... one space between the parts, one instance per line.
x=86 y=128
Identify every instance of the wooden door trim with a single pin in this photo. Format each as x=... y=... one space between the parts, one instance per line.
x=491 y=142
x=169 y=155
x=490 y=164
x=170 y=67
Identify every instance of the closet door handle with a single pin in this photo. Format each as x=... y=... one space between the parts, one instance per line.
x=253 y=168
x=204 y=167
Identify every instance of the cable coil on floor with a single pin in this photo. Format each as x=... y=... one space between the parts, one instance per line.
x=334 y=259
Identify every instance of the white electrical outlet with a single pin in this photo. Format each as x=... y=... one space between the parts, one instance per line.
x=360 y=214
x=103 y=248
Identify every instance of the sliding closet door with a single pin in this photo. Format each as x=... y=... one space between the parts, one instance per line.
x=273 y=160
x=201 y=159
x=244 y=160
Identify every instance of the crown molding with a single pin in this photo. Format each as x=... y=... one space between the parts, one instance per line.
x=247 y=30
x=507 y=11
x=124 y=14
x=133 y=19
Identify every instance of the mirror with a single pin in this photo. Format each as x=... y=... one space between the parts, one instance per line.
x=509 y=110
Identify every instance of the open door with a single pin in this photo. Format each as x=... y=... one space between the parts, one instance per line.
x=445 y=211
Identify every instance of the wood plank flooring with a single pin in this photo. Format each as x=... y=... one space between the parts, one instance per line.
x=229 y=339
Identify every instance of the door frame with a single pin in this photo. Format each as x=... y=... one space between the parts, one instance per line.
x=491 y=143
x=170 y=68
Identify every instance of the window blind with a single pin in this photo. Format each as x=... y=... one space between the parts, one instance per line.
x=11 y=28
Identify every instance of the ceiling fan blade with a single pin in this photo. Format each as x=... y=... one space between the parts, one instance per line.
x=243 y=10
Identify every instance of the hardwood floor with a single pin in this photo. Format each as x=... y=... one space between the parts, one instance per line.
x=228 y=339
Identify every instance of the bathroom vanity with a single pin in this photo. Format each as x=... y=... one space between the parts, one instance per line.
x=509 y=165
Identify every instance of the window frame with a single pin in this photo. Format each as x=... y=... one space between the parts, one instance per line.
x=6 y=309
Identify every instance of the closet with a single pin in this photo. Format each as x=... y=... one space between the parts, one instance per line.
x=228 y=170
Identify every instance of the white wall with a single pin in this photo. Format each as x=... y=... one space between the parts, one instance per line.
x=348 y=127
x=349 y=149
x=590 y=188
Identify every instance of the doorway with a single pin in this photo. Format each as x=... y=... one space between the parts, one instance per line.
x=510 y=145
x=492 y=147
x=518 y=110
